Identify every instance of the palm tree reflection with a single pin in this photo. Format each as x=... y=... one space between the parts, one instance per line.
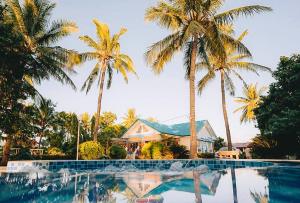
x=197 y=188
x=234 y=190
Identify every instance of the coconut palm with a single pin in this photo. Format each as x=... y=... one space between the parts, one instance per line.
x=106 y=51
x=234 y=62
x=250 y=101
x=31 y=20
x=195 y=30
x=129 y=118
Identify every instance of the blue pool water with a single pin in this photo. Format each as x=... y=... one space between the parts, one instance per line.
x=273 y=184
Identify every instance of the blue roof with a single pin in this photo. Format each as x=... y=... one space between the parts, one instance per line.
x=181 y=129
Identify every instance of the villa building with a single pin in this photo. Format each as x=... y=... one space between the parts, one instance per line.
x=143 y=131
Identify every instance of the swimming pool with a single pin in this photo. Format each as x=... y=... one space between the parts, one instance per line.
x=224 y=181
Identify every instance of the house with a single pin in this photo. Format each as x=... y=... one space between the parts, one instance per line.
x=143 y=131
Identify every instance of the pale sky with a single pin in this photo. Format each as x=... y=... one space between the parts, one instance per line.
x=166 y=96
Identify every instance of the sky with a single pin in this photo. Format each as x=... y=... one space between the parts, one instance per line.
x=166 y=96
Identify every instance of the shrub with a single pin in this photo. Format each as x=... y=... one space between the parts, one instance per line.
x=24 y=154
x=90 y=150
x=179 y=151
x=54 y=151
x=117 y=152
x=146 y=150
x=206 y=155
x=156 y=151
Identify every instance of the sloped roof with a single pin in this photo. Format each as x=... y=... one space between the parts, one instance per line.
x=181 y=129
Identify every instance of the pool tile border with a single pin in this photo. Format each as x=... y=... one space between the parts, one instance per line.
x=19 y=166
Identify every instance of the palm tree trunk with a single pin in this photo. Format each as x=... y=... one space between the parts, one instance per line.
x=193 y=138
x=234 y=190
x=96 y=128
x=6 y=150
x=225 y=112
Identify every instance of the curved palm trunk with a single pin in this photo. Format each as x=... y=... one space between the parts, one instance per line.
x=96 y=128
x=234 y=189
x=225 y=112
x=193 y=138
x=6 y=150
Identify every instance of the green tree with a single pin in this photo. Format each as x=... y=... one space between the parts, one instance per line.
x=278 y=115
x=129 y=118
x=106 y=51
x=219 y=143
x=195 y=29
x=43 y=118
x=235 y=62
x=31 y=21
x=250 y=101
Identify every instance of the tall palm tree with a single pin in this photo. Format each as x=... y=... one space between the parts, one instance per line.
x=250 y=101
x=31 y=20
x=234 y=62
x=129 y=118
x=195 y=30
x=106 y=51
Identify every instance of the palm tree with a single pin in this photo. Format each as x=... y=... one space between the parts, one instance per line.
x=195 y=29
x=129 y=118
x=233 y=63
x=32 y=21
x=44 y=117
x=106 y=51
x=250 y=101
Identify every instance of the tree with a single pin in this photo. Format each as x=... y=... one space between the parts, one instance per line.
x=278 y=115
x=106 y=51
x=219 y=143
x=194 y=27
x=129 y=118
x=235 y=61
x=31 y=21
x=250 y=101
x=44 y=118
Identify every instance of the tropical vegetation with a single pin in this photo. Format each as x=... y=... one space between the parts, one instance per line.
x=195 y=30
x=106 y=51
x=227 y=67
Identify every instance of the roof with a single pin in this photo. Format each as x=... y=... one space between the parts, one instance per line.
x=241 y=145
x=181 y=129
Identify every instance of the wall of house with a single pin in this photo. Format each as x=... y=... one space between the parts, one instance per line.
x=185 y=141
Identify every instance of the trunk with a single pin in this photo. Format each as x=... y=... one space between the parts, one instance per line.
x=193 y=138
x=197 y=188
x=40 y=141
x=225 y=112
x=103 y=70
x=6 y=151
x=234 y=190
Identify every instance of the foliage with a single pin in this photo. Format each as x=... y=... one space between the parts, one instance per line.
x=106 y=51
x=24 y=154
x=117 y=152
x=278 y=116
x=179 y=151
x=206 y=155
x=54 y=151
x=250 y=101
x=219 y=143
x=156 y=150
x=129 y=118
x=90 y=150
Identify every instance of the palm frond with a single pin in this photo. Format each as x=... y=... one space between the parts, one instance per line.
x=89 y=41
x=229 y=84
x=91 y=78
x=205 y=80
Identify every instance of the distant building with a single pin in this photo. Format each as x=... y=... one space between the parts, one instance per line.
x=243 y=147
x=143 y=131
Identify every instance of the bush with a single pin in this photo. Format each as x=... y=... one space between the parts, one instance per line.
x=54 y=151
x=146 y=150
x=179 y=151
x=24 y=154
x=156 y=150
x=206 y=155
x=117 y=152
x=90 y=150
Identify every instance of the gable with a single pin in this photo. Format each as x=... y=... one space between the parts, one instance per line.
x=139 y=128
x=206 y=133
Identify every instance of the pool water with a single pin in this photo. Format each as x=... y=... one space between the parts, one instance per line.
x=274 y=184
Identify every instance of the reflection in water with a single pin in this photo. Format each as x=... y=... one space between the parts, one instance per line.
x=282 y=185
x=234 y=190
x=197 y=187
